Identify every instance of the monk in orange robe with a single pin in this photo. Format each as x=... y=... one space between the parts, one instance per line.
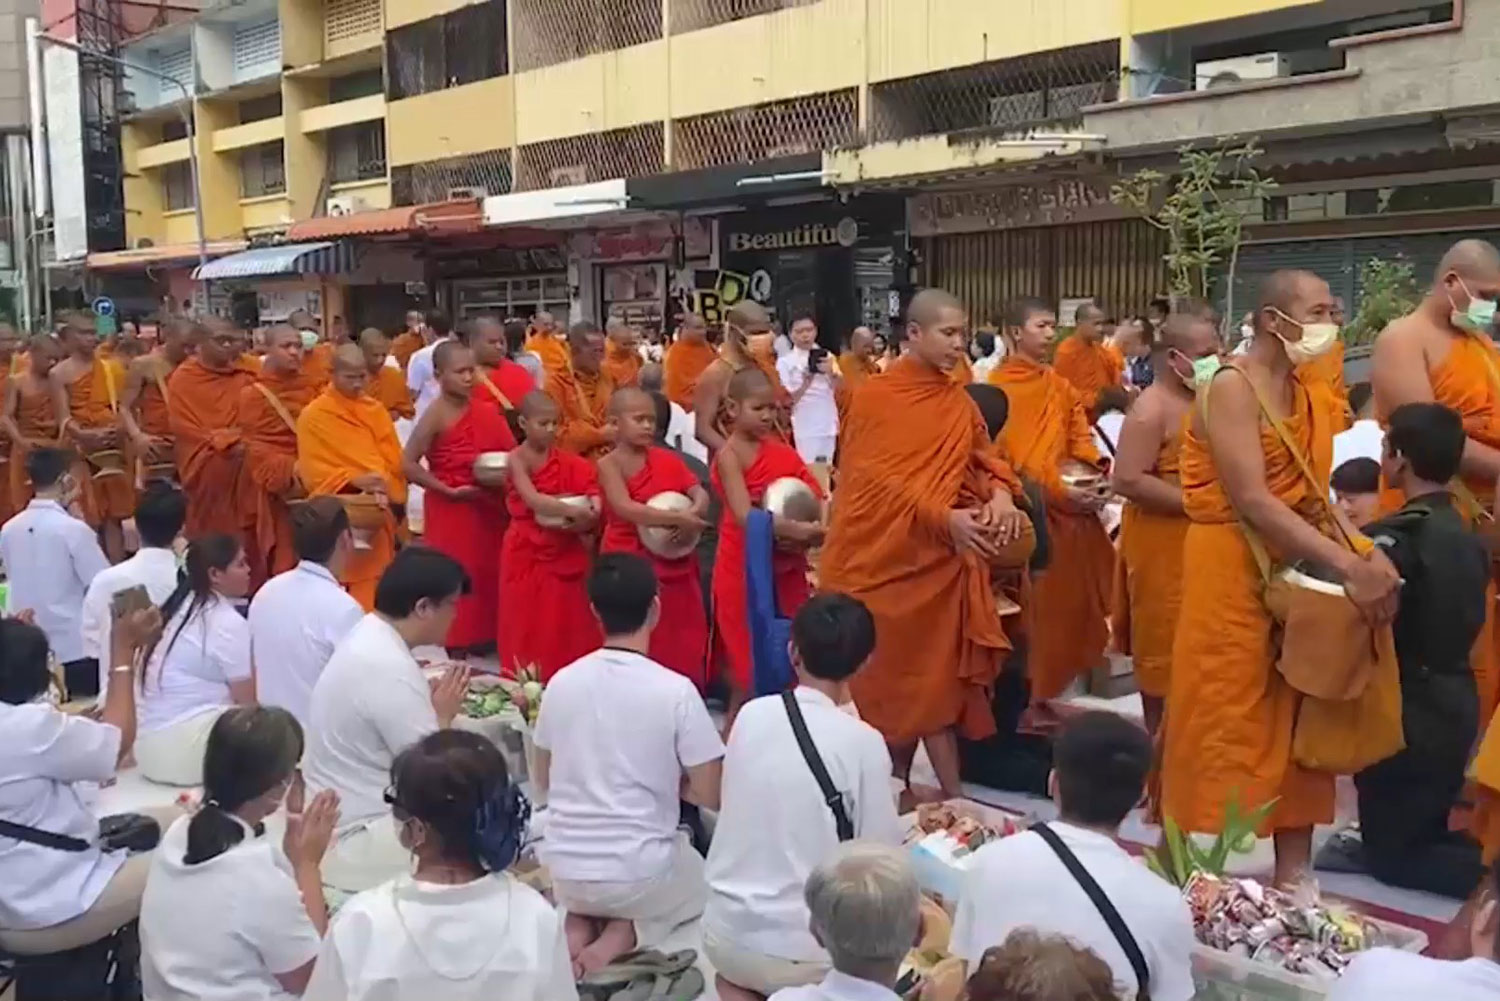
x=410 y=340
x=549 y=343
x=1230 y=714
x=1442 y=352
x=622 y=359
x=268 y=412
x=749 y=342
x=637 y=470
x=1047 y=435
x=1085 y=361
x=347 y=445
x=387 y=383
x=921 y=508
x=10 y=364
x=87 y=389
x=582 y=391
x=464 y=514
x=545 y=557
x=855 y=364
x=31 y=416
x=143 y=403
x=686 y=358
x=1148 y=572
x=203 y=399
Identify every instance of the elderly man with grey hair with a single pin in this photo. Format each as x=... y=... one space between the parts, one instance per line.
x=865 y=908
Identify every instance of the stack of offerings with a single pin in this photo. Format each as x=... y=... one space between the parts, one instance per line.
x=943 y=837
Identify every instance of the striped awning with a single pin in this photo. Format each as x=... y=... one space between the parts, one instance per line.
x=324 y=257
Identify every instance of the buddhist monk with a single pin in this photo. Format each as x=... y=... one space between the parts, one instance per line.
x=268 y=412
x=622 y=357
x=920 y=511
x=203 y=397
x=1329 y=368
x=634 y=472
x=1442 y=351
x=549 y=342
x=410 y=340
x=10 y=343
x=752 y=458
x=347 y=447
x=856 y=363
x=1230 y=715
x=464 y=507
x=87 y=388
x=1085 y=362
x=554 y=508
x=387 y=383
x=749 y=342
x=582 y=391
x=686 y=358
x=31 y=415
x=143 y=402
x=1047 y=436
x=1148 y=573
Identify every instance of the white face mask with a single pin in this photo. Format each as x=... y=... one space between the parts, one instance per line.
x=1317 y=340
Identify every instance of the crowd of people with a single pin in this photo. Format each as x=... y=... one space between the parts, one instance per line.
x=884 y=544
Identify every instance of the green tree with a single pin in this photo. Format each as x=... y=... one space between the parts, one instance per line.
x=1388 y=290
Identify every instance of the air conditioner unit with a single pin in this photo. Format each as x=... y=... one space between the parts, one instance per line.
x=561 y=177
x=1241 y=69
x=345 y=204
x=460 y=193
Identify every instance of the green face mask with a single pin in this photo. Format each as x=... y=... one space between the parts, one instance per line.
x=1204 y=369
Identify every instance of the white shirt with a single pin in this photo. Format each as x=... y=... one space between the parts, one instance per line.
x=682 y=433
x=1107 y=429
x=494 y=939
x=1018 y=882
x=815 y=414
x=193 y=663
x=1391 y=975
x=837 y=987
x=51 y=557
x=622 y=729
x=775 y=828
x=982 y=368
x=221 y=930
x=43 y=754
x=1362 y=441
x=421 y=378
x=369 y=704
x=153 y=568
x=296 y=619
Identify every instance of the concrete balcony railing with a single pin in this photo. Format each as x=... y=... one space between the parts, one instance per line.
x=332 y=116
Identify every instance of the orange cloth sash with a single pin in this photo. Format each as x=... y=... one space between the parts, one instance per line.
x=93 y=402
x=681 y=366
x=36 y=419
x=271 y=462
x=583 y=399
x=622 y=365
x=1091 y=368
x=404 y=346
x=553 y=351
x=203 y=417
x=388 y=387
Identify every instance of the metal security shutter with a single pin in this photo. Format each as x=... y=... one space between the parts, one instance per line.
x=257 y=50
x=1331 y=260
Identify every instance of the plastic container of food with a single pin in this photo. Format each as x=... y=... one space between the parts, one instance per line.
x=1221 y=976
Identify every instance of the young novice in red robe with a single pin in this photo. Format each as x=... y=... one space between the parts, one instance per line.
x=634 y=472
x=753 y=457
x=545 y=558
x=465 y=511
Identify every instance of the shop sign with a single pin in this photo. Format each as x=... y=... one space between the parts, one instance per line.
x=1050 y=203
x=711 y=293
x=809 y=235
x=650 y=241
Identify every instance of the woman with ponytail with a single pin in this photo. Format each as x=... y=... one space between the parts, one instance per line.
x=199 y=667
x=460 y=928
x=228 y=914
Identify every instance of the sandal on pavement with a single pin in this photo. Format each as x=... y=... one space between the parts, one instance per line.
x=641 y=963
x=685 y=986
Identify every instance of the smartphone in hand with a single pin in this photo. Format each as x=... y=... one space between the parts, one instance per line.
x=131 y=599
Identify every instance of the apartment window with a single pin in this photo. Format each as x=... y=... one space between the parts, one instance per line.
x=262 y=171
x=173 y=129
x=260 y=108
x=451 y=50
x=177 y=186
x=356 y=152
x=355 y=85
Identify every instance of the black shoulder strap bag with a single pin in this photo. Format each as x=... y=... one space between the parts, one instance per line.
x=831 y=795
x=1117 y=926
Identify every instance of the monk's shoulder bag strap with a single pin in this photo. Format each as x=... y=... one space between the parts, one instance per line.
x=835 y=799
x=1101 y=902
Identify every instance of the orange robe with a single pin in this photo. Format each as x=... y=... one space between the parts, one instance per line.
x=404 y=346
x=271 y=463
x=94 y=402
x=203 y=416
x=1230 y=714
x=962 y=372
x=583 y=399
x=680 y=640
x=854 y=370
x=151 y=417
x=1148 y=580
x=1329 y=370
x=1047 y=426
x=339 y=439
x=388 y=387
x=553 y=351
x=36 y=418
x=622 y=365
x=317 y=365
x=1091 y=368
x=915 y=445
x=543 y=598
x=681 y=366
x=6 y=373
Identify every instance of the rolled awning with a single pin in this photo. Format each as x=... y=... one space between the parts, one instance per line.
x=324 y=257
x=457 y=216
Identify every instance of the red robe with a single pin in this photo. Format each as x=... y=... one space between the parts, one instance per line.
x=470 y=531
x=543 y=596
x=775 y=460
x=512 y=379
x=680 y=640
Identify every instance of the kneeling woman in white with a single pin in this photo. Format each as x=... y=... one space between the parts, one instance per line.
x=200 y=666
x=460 y=928
x=228 y=914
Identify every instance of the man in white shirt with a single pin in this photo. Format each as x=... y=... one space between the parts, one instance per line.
x=1100 y=762
x=620 y=742
x=371 y=702
x=1391 y=975
x=297 y=618
x=50 y=558
x=775 y=825
x=865 y=910
x=159 y=515
x=679 y=431
x=421 y=377
x=807 y=371
x=1365 y=437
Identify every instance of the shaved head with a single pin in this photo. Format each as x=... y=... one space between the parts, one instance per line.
x=279 y=334
x=747 y=382
x=1281 y=289
x=1471 y=260
x=928 y=305
x=627 y=397
x=283 y=349
x=748 y=315
x=447 y=353
x=1195 y=335
x=348 y=356
x=374 y=339
x=538 y=404
x=586 y=341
